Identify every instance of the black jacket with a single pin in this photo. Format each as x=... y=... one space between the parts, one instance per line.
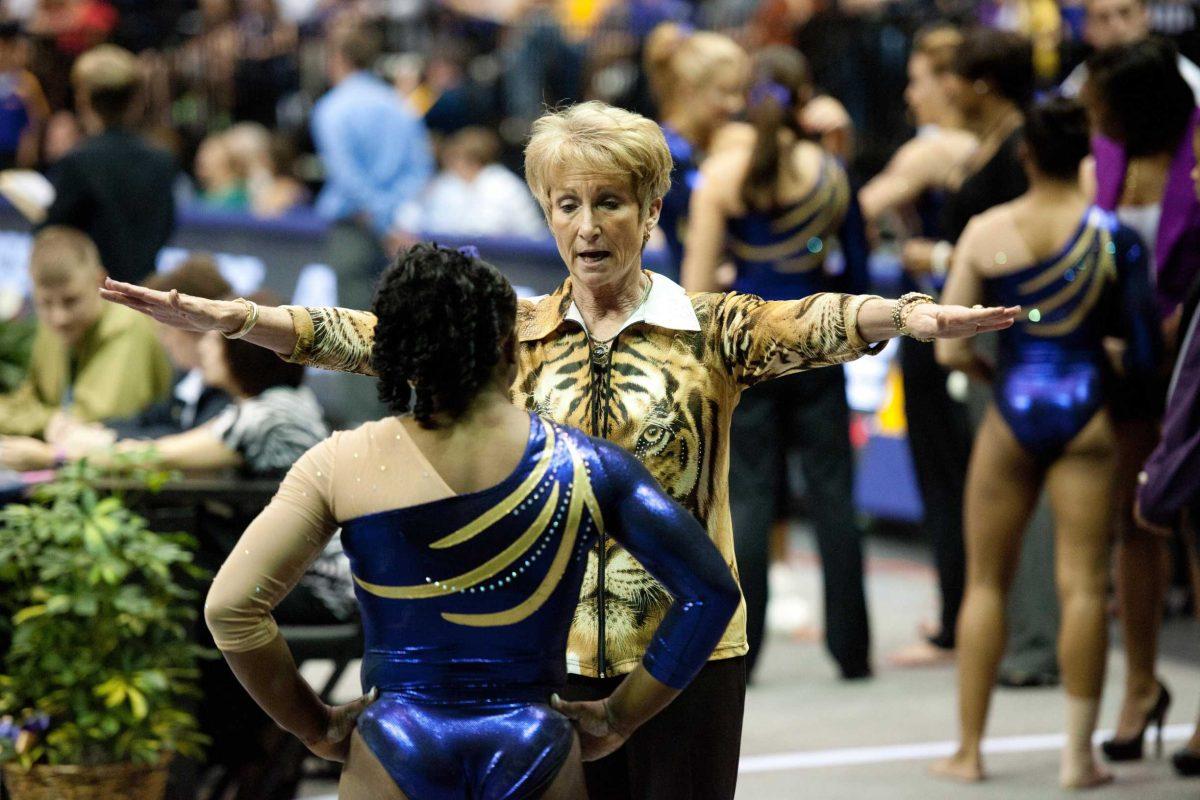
x=164 y=417
x=117 y=189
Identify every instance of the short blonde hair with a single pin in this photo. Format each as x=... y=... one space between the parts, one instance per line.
x=109 y=78
x=678 y=60
x=59 y=253
x=599 y=138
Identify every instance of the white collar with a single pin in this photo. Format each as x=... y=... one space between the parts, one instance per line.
x=667 y=306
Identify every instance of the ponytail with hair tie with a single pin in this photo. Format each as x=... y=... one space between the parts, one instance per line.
x=769 y=90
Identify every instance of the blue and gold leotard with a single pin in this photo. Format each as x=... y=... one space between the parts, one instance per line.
x=466 y=603
x=781 y=255
x=1052 y=374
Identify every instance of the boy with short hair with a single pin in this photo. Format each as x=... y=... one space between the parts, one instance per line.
x=90 y=359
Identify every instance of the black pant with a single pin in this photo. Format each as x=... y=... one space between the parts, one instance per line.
x=806 y=413
x=939 y=437
x=688 y=751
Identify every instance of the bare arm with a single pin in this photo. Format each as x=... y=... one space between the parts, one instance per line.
x=197 y=449
x=900 y=183
x=706 y=228
x=274 y=329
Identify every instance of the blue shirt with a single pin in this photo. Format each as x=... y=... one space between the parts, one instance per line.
x=376 y=152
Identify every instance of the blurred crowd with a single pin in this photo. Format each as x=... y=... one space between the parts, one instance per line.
x=233 y=85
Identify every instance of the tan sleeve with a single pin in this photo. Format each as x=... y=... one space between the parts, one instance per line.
x=759 y=340
x=333 y=338
x=273 y=554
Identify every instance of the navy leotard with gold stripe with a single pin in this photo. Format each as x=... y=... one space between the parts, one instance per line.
x=1052 y=373
x=466 y=604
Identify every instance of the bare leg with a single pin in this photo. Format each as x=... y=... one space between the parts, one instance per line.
x=364 y=778
x=1003 y=482
x=1081 y=484
x=569 y=783
x=1143 y=574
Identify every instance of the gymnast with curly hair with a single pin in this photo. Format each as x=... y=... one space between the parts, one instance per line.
x=467 y=521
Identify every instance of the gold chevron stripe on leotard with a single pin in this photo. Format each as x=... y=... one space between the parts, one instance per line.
x=1096 y=278
x=1048 y=276
x=581 y=495
x=489 y=569
x=505 y=506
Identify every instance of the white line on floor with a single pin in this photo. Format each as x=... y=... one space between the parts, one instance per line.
x=923 y=751
x=812 y=759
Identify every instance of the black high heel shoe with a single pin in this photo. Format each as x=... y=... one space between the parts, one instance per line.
x=1187 y=763
x=1131 y=749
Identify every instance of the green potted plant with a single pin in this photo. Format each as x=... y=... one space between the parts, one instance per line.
x=98 y=663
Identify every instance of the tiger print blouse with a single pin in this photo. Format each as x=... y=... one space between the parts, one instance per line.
x=664 y=388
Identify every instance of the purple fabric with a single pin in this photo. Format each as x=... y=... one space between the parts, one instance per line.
x=1173 y=469
x=1177 y=250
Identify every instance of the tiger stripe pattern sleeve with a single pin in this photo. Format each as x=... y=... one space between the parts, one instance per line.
x=762 y=339
x=336 y=339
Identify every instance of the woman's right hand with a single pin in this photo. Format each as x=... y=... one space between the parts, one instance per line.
x=593 y=720
x=177 y=310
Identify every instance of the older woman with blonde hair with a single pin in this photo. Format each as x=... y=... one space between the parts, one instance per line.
x=629 y=356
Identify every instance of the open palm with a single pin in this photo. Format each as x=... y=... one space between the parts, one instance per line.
x=171 y=308
x=933 y=321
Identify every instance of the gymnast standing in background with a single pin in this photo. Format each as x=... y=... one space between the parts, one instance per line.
x=1080 y=276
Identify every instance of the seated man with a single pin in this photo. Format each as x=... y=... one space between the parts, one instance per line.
x=89 y=358
x=192 y=401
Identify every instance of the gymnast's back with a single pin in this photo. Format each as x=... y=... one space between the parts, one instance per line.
x=467 y=597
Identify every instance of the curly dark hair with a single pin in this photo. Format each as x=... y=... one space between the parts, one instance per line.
x=443 y=318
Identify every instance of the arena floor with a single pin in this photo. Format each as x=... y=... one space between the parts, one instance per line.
x=809 y=735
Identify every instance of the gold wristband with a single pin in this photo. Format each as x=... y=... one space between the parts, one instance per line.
x=251 y=319
x=903 y=308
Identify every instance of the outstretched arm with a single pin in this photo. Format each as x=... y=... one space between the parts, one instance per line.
x=327 y=338
x=672 y=546
x=761 y=339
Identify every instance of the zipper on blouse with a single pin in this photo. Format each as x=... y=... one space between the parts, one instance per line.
x=601 y=362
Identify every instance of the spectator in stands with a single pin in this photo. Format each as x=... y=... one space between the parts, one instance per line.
x=376 y=155
x=283 y=192
x=266 y=160
x=115 y=187
x=80 y=346
x=222 y=176
x=61 y=31
x=474 y=195
x=23 y=107
x=1110 y=23
x=192 y=401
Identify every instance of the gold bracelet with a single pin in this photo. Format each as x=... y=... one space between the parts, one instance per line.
x=251 y=319
x=903 y=308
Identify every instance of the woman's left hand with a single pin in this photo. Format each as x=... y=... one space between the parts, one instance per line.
x=933 y=321
x=335 y=744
